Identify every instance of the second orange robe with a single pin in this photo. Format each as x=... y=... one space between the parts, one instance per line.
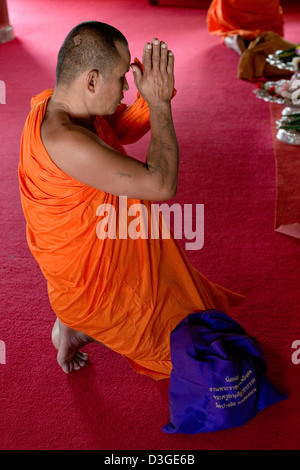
x=126 y=293
x=248 y=18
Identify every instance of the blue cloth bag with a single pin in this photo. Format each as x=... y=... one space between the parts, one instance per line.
x=218 y=377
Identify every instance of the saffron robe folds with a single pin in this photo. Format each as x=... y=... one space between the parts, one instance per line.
x=129 y=294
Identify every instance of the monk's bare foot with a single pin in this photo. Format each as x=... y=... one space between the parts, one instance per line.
x=68 y=343
x=236 y=43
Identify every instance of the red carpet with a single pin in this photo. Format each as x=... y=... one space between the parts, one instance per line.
x=227 y=164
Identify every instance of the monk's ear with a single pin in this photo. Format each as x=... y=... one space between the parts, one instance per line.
x=93 y=78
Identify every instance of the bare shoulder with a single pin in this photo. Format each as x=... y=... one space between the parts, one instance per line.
x=81 y=154
x=63 y=139
x=57 y=128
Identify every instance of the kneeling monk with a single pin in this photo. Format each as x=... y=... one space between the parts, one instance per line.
x=127 y=293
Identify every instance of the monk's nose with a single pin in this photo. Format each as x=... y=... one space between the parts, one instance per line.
x=125 y=85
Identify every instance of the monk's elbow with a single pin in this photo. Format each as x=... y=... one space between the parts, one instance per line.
x=168 y=192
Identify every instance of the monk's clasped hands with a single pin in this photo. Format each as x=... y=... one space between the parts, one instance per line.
x=156 y=82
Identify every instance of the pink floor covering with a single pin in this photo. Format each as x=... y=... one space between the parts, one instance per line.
x=227 y=164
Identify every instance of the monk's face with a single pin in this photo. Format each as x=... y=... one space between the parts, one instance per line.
x=110 y=90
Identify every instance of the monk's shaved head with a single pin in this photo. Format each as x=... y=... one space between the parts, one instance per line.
x=90 y=45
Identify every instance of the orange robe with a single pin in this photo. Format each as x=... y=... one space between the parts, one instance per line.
x=249 y=18
x=126 y=293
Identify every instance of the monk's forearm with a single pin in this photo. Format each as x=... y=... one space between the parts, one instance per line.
x=163 y=154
